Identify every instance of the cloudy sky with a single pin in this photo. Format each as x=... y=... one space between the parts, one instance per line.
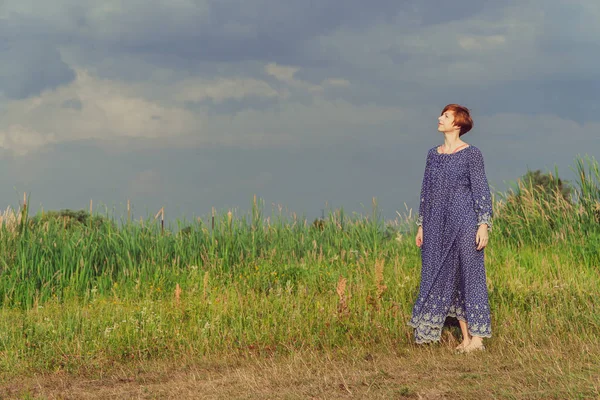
x=194 y=104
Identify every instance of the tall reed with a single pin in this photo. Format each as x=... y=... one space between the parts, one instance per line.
x=73 y=291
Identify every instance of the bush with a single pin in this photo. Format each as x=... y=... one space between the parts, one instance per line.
x=542 y=208
x=545 y=185
x=70 y=219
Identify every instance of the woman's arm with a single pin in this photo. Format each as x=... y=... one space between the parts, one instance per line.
x=482 y=199
x=480 y=190
x=422 y=203
x=423 y=199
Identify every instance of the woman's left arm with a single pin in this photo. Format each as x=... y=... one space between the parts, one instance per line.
x=482 y=199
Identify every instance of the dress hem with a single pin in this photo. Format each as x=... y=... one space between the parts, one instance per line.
x=438 y=328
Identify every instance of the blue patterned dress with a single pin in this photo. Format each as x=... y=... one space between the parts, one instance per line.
x=455 y=200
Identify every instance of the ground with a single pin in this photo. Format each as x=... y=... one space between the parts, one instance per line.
x=429 y=372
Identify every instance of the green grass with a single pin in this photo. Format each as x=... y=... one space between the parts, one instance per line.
x=80 y=297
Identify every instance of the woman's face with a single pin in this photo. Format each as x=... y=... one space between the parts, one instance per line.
x=446 y=122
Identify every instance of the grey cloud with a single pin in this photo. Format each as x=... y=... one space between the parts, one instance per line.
x=433 y=12
x=372 y=161
x=234 y=106
x=383 y=159
x=226 y=31
x=570 y=40
x=284 y=32
x=214 y=35
x=27 y=68
x=192 y=181
x=573 y=99
x=74 y=104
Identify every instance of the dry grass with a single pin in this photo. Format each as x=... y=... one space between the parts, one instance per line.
x=342 y=297
x=414 y=373
x=11 y=219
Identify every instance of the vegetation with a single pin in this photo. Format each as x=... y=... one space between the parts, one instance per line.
x=82 y=296
x=546 y=185
x=69 y=219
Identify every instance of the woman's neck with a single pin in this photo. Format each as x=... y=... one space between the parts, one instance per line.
x=452 y=141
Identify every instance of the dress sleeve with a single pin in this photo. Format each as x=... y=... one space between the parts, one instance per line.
x=480 y=190
x=424 y=193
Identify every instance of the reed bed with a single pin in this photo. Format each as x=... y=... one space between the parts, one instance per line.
x=85 y=295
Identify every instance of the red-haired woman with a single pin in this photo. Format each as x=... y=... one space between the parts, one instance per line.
x=454 y=217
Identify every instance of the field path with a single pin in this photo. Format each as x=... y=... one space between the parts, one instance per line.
x=417 y=373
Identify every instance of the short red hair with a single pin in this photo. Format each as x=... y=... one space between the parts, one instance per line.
x=462 y=117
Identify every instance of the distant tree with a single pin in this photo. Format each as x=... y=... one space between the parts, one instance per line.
x=544 y=185
x=536 y=205
x=319 y=224
x=186 y=231
x=69 y=218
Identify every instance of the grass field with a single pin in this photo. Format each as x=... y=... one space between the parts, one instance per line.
x=274 y=306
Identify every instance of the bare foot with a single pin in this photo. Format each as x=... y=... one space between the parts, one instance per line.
x=464 y=344
x=476 y=344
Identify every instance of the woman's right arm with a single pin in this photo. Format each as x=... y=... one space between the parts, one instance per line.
x=423 y=198
x=422 y=204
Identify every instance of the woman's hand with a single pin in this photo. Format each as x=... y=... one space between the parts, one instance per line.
x=419 y=238
x=482 y=236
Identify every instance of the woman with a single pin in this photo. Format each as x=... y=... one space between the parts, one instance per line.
x=454 y=217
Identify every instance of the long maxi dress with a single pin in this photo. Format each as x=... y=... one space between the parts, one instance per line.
x=455 y=200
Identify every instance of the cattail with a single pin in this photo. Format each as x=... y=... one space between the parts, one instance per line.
x=205 y=286
x=177 y=293
x=380 y=288
x=379 y=278
x=343 y=299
